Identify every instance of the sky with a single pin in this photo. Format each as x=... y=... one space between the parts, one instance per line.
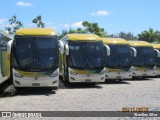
x=112 y=15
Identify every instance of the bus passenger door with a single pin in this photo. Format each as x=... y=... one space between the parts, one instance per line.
x=3 y=65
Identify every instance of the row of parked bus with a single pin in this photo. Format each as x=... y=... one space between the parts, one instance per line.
x=36 y=58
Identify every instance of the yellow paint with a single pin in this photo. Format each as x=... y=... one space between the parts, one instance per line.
x=83 y=37
x=8 y=64
x=36 y=31
x=139 y=43
x=83 y=71
x=140 y=68
x=156 y=46
x=27 y=74
x=114 y=41
x=113 y=70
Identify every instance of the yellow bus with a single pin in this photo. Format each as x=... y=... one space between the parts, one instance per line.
x=119 y=63
x=35 y=58
x=5 y=41
x=83 y=58
x=157 y=58
x=144 y=63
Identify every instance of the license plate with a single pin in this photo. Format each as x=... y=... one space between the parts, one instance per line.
x=35 y=84
x=87 y=80
x=118 y=77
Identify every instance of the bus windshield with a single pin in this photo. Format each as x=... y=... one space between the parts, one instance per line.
x=145 y=57
x=36 y=53
x=119 y=57
x=86 y=55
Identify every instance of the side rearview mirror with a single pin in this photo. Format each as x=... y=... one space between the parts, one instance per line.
x=108 y=50
x=158 y=53
x=61 y=45
x=134 y=51
x=67 y=49
x=9 y=46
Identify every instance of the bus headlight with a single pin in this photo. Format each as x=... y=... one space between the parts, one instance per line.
x=132 y=68
x=102 y=72
x=54 y=74
x=154 y=68
x=73 y=73
x=18 y=75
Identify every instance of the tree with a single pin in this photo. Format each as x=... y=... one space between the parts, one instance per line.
x=14 y=25
x=127 y=36
x=71 y=31
x=38 y=21
x=88 y=28
x=94 y=28
x=64 y=32
x=149 y=35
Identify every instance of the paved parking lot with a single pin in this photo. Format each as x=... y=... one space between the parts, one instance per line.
x=110 y=96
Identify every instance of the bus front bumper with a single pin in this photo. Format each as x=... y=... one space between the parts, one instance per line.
x=86 y=78
x=35 y=81
x=119 y=75
x=143 y=73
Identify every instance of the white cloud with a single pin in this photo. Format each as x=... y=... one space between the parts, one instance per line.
x=74 y=25
x=23 y=4
x=77 y=24
x=66 y=25
x=2 y=21
x=100 y=13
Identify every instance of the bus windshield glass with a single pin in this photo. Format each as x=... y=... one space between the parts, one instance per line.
x=145 y=57
x=86 y=55
x=119 y=57
x=36 y=53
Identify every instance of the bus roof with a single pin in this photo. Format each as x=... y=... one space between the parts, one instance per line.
x=139 y=43
x=156 y=46
x=83 y=37
x=36 y=31
x=5 y=34
x=114 y=41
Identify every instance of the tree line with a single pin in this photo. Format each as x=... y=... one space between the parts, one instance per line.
x=149 y=35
